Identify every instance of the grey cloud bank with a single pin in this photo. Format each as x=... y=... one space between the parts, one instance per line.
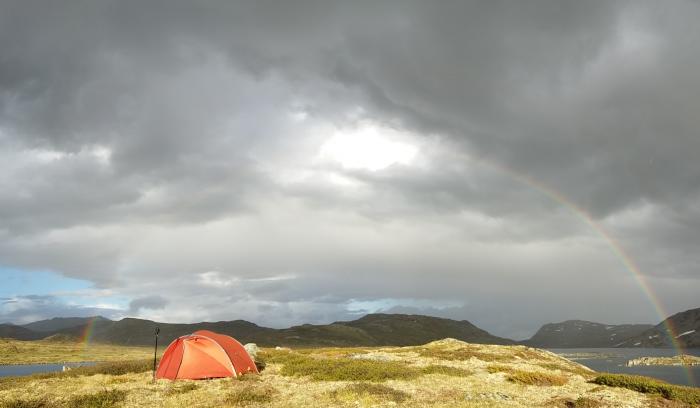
x=172 y=150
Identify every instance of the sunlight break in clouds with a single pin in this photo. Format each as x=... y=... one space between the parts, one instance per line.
x=368 y=147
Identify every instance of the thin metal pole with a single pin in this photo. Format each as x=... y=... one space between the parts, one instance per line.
x=155 y=354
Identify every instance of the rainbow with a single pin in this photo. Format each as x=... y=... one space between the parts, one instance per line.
x=87 y=332
x=613 y=243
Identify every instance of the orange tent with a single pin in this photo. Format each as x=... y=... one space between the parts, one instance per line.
x=204 y=354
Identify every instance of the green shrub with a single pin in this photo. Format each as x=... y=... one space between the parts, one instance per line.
x=528 y=377
x=646 y=385
x=461 y=354
x=326 y=369
x=250 y=395
x=446 y=370
x=102 y=399
x=112 y=368
x=29 y=403
x=181 y=388
x=374 y=391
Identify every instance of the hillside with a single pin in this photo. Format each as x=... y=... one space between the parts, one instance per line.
x=10 y=331
x=371 y=330
x=580 y=333
x=445 y=373
x=60 y=323
x=686 y=327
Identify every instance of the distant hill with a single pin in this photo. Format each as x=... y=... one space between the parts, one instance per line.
x=370 y=330
x=11 y=331
x=386 y=329
x=581 y=333
x=686 y=326
x=60 y=323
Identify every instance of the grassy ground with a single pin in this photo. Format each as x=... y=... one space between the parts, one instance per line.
x=33 y=352
x=441 y=374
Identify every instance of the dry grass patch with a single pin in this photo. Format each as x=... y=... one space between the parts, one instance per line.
x=461 y=354
x=325 y=369
x=446 y=370
x=529 y=377
x=26 y=403
x=646 y=385
x=582 y=402
x=36 y=352
x=369 y=391
x=181 y=388
x=102 y=399
x=250 y=395
x=582 y=371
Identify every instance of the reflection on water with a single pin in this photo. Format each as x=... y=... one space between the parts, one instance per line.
x=614 y=360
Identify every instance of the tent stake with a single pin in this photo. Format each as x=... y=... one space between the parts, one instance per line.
x=155 y=353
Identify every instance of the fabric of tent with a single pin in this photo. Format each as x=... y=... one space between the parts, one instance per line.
x=204 y=354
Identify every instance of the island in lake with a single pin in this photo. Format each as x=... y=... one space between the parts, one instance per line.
x=680 y=360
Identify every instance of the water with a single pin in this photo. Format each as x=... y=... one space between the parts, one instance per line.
x=27 y=369
x=614 y=360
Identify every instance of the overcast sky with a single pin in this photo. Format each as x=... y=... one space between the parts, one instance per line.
x=295 y=161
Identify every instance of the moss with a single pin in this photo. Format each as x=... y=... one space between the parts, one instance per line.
x=102 y=399
x=646 y=385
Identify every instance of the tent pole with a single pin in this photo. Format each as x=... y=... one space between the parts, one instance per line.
x=155 y=353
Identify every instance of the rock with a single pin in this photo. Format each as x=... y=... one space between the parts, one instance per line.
x=283 y=348
x=252 y=350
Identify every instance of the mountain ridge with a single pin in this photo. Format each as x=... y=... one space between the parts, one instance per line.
x=583 y=334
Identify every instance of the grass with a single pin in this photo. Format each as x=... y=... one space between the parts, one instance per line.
x=646 y=385
x=341 y=369
x=26 y=403
x=109 y=368
x=40 y=352
x=582 y=402
x=446 y=370
x=102 y=399
x=460 y=354
x=538 y=378
x=250 y=395
x=370 y=392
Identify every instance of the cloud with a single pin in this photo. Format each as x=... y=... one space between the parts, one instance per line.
x=30 y=308
x=188 y=150
x=154 y=302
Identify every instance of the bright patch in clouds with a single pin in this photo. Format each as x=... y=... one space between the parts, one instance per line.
x=368 y=147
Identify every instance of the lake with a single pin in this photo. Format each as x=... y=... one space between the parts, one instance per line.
x=614 y=360
x=26 y=369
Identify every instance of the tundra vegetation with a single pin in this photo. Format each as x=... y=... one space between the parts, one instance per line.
x=445 y=373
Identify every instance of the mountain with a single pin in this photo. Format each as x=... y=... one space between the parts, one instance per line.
x=60 y=323
x=387 y=329
x=370 y=330
x=686 y=332
x=580 y=333
x=18 y=332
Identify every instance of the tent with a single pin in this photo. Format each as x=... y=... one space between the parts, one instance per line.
x=204 y=354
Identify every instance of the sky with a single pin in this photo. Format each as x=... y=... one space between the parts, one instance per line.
x=503 y=162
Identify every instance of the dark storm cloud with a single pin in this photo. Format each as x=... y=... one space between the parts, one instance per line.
x=142 y=141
